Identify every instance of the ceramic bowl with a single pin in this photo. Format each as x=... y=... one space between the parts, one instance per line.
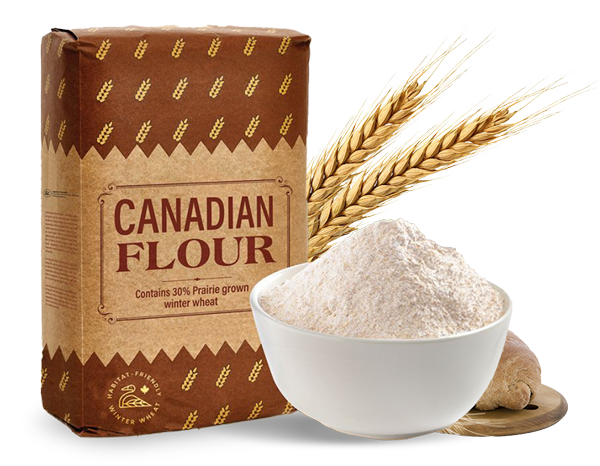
x=383 y=389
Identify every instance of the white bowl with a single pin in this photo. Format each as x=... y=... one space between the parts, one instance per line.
x=383 y=389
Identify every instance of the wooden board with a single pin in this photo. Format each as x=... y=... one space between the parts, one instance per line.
x=545 y=410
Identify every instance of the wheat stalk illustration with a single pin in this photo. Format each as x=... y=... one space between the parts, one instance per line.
x=256 y=410
x=180 y=131
x=140 y=50
x=103 y=49
x=285 y=44
x=190 y=421
x=179 y=90
x=60 y=47
x=104 y=90
x=189 y=379
x=44 y=375
x=222 y=416
x=251 y=87
x=249 y=47
x=67 y=417
x=61 y=88
x=47 y=85
x=61 y=129
x=143 y=90
x=63 y=381
x=254 y=122
x=285 y=126
x=48 y=43
x=288 y=408
x=216 y=129
x=178 y=48
x=214 y=47
x=223 y=376
x=47 y=125
x=143 y=132
x=216 y=87
x=258 y=365
x=107 y=129
x=285 y=84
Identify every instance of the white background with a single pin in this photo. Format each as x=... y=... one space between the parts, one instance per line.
x=524 y=213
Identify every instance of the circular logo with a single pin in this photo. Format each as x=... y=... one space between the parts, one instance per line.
x=47 y=193
x=134 y=397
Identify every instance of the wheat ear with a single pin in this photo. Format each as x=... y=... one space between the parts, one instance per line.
x=364 y=136
x=408 y=167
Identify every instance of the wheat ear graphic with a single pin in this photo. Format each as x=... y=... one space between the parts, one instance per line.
x=285 y=126
x=216 y=87
x=103 y=49
x=180 y=130
x=63 y=381
x=143 y=90
x=285 y=43
x=61 y=129
x=214 y=47
x=216 y=129
x=258 y=365
x=223 y=376
x=285 y=84
x=60 y=47
x=140 y=50
x=179 y=90
x=104 y=90
x=254 y=122
x=256 y=410
x=222 y=416
x=107 y=129
x=143 y=132
x=249 y=47
x=251 y=87
x=44 y=375
x=189 y=379
x=190 y=421
x=178 y=48
x=61 y=88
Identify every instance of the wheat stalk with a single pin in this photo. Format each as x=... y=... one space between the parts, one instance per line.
x=285 y=84
x=60 y=47
x=44 y=375
x=216 y=87
x=47 y=125
x=178 y=48
x=287 y=123
x=140 y=94
x=285 y=43
x=67 y=417
x=217 y=127
x=48 y=43
x=189 y=379
x=222 y=416
x=103 y=49
x=180 y=88
x=251 y=87
x=288 y=408
x=61 y=129
x=61 y=88
x=256 y=410
x=47 y=84
x=63 y=381
x=104 y=90
x=258 y=365
x=223 y=376
x=408 y=167
x=190 y=421
x=249 y=47
x=140 y=50
x=107 y=129
x=365 y=135
x=143 y=132
x=214 y=47
x=254 y=122
x=180 y=130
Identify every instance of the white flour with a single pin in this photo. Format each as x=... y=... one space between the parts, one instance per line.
x=387 y=281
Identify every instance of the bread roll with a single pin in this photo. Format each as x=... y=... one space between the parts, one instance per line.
x=517 y=378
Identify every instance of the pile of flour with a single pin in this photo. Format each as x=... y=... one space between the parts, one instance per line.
x=387 y=281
